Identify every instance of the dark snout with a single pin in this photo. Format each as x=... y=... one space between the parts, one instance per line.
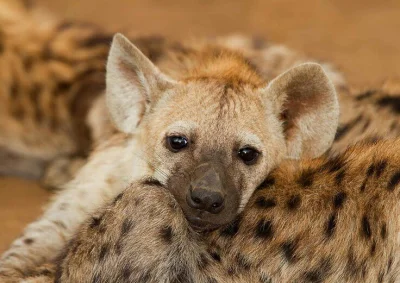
x=207 y=195
x=206 y=189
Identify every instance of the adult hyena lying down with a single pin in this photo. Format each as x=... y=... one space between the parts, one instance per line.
x=321 y=220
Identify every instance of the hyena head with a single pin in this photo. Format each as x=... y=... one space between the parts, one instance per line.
x=212 y=137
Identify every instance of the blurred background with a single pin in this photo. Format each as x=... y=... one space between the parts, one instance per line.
x=360 y=37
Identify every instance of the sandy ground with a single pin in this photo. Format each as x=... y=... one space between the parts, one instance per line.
x=360 y=37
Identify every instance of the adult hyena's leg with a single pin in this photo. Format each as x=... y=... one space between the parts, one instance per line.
x=140 y=237
x=96 y=183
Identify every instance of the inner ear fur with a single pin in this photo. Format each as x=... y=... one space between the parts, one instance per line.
x=306 y=101
x=133 y=82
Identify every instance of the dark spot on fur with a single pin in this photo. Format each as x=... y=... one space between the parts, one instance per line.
x=288 y=249
x=264 y=229
x=97 y=39
x=126 y=272
x=366 y=125
x=118 y=246
x=393 y=126
x=95 y=222
x=103 y=252
x=152 y=182
x=373 y=248
x=202 y=262
x=167 y=234
x=63 y=87
x=265 y=203
x=383 y=231
x=391 y=102
x=363 y=186
x=215 y=256
x=339 y=199
x=380 y=167
x=294 y=202
x=371 y=170
x=127 y=226
x=331 y=225
x=243 y=262
x=117 y=198
x=371 y=140
x=232 y=228
x=366 y=227
x=394 y=181
x=339 y=177
x=365 y=95
x=28 y=241
x=344 y=129
x=268 y=182
x=306 y=178
x=334 y=164
x=320 y=273
x=390 y=263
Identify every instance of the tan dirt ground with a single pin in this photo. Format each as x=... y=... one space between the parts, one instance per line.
x=361 y=37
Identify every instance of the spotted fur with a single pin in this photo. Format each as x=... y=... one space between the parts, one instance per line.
x=333 y=233
x=100 y=180
x=50 y=99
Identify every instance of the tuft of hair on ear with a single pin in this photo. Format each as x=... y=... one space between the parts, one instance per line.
x=133 y=82
x=305 y=100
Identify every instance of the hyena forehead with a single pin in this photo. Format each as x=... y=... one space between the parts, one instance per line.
x=207 y=106
x=213 y=97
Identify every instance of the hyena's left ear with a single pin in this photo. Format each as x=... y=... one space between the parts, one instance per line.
x=305 y=99
x=133 y=84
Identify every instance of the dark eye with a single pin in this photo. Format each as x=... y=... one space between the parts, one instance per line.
x=248 y=155
x=176 y=143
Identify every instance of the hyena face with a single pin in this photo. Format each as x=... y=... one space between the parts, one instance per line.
x=213 y=136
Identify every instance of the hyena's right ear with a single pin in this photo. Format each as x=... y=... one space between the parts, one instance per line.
x=133 y=83
x=306 y=100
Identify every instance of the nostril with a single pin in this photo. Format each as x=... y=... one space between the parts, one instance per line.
x=196 y=200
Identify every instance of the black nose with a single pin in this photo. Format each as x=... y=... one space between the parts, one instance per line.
x=207 y=200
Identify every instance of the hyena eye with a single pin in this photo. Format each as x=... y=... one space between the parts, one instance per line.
x=248 y=155
x=176 y=143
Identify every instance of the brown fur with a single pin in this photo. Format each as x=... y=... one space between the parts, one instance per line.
x=325 y=220
x=88 y=191
x=52 y=71
x=219 y=119
x=372 y=112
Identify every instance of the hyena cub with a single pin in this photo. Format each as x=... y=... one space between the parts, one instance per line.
x=322 y=220
x=209 y=128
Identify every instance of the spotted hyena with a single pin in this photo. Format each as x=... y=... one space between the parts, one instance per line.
x=51 y=100
x=331 y=219
x=209 y=129
x=217 y=72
